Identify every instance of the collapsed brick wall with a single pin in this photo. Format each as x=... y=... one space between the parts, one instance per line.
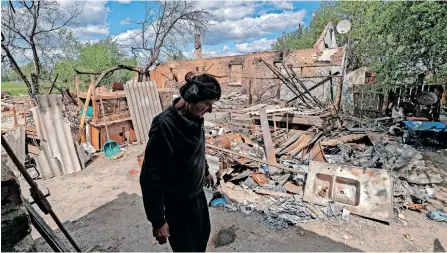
x=15 y=222
x=242 y=72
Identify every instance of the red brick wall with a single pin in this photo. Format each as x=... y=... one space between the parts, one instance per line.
x=304 y=62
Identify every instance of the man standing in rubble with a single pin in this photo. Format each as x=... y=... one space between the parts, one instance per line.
x=175 y=170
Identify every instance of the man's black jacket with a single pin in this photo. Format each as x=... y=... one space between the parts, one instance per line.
x=174 y=164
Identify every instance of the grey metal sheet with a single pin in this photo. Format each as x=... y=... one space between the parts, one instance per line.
x=144 y=104
x=59 y=154
x=16 y=140
x=366 y=192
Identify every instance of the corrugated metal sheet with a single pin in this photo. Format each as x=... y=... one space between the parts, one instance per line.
x=16 y=140
x=60 y=155
x=144 y=104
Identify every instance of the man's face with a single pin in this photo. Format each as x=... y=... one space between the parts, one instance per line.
x=199 y=109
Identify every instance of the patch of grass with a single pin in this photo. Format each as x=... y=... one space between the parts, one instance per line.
x=14 y=88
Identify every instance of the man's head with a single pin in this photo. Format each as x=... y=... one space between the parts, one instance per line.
x=200 y=92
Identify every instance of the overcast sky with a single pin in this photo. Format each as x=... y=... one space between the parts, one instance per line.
x=238 y=27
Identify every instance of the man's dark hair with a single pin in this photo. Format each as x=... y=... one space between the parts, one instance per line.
x=200 y=88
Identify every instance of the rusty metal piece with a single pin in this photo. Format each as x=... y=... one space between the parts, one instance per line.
x=343 y=139
x=267 y=137
x=316 y=154
x=288 y=143
x=304 y=153
x=293 y=145
x=260 y=178
x=293 y=188
x=223 y=141
x=304 y=143
x=366 y=192
x=415 y=206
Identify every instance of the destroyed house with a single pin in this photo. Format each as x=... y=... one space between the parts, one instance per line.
x=251 y=74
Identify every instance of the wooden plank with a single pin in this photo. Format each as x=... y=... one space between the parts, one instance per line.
x=342 y=139
x=104 y=95
x=33 y=149
x=78 y=91
x=94 y=104
x=14 y=114
x=113 y=117
x=84 y=113
x=267 y=136
x=102 y=123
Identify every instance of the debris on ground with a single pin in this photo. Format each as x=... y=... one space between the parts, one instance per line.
x=437 y=215
x=277 y=187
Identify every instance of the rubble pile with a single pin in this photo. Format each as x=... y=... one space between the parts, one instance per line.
x=232 y=100
x=249 y=181
x=71 y=113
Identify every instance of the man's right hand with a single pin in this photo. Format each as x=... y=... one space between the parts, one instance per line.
x=162 y=234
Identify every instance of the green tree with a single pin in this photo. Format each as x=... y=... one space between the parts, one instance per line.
x=94 y=57
x=411 y=39
x=102 y=55
x=305 y=37
x=397 y=40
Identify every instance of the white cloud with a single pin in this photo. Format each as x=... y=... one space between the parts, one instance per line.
x=128 y=38
x=228 y=10
x=211 y=53
x=225 y=48
x=92 y=21
x=87 y=32
x=263 y=44
x=124 y=1
x=217 y=53
x=285 y=5
x=252 y=27
x=93 y=13
x=125 y=21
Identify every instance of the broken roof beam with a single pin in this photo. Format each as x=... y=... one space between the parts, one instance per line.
x=315 y=86
x=285 y=81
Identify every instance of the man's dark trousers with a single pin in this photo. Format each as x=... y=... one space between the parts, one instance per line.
x=189 y=224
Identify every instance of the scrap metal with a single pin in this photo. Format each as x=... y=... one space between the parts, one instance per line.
x=366 y=192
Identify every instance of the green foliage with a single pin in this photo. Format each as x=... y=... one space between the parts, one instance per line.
x=412 y=38
x=96 y=57
x=398 y=40
x=305 y=37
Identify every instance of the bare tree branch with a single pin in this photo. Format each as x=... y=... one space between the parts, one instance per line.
x=82 y=72
x=109 y=71
x=173 y=21
x=29 y=28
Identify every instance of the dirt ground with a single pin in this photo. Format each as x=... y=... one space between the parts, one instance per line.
x=102 y=208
